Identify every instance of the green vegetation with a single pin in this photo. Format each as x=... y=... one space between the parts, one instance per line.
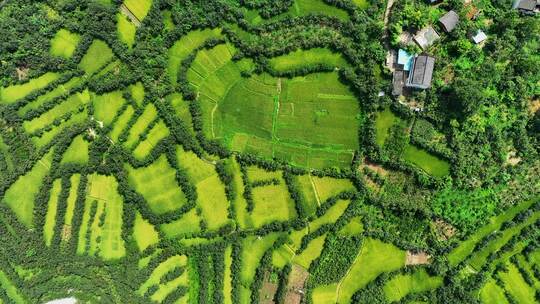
x=139 y=8
x=77 y=152
x=402 y=285
x=96 y=57
x=158 y=186
x=16 y=92
x=431 y=164
x=64 y=43
x=516 y=285
x=126 y=30
x=144 y=233
x=50 y=219
x=307 y=58
x=492 y=293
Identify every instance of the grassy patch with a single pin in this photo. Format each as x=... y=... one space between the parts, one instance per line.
x=375 y=258
x=156 y=134
x=363 y=4
x=145 y=234
x=18 y=91
x=56 y=92
x=157 y=184
x=107 y=105
x=161 y=270
x=272 y=203
x=187 y=224
x=384 y=121
x=98 y=54
x=21 y=195
x=328 y=187
x=149 y=114
x=137 y=92
x=516 y=285
x=102 y=234
x=77 y=152
x=70 y=105
x=325 y=294
x=64 y=43
x=121 y=123
x=50 y=218
x=428 y=162
x=10 y=289
x=253 y=249
x=331 y=215
x=417 y=282
x=211 y=198
x=126 y=30
x=227 y=278
x=139 y=8
x=72 y=198
x=302 y=59
x=492 y=293
x=312 y=251
x=183 y=47
x=353 y=228
x=306 y=7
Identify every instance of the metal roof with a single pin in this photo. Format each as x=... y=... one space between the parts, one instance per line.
x=426 y=37
x=479 y=37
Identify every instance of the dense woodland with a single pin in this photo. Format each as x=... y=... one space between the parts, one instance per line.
x=481 y=116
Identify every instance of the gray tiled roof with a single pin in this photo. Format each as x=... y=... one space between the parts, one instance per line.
x=398 y=82
x=422 y=72
x=449 y=20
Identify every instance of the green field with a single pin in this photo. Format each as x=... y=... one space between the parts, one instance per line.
x=71 y=200
x=227 y=279
x=50 y=218
x=77 y=152
x=331 y=215
x=325 y=294
x=516 y=285
x=155 y=135
x=64 y=43
x=155 y=278
x=272 y=203
x=70 y=105
x=210 y=191
x=353 y=228
x=466 y=247
x=20 y=197
x=383 y=122
x=10 y=290
x=302 y=59
x=139 y=8
x=137 y=92
x=187 y=224
x=106 y=106
x=363 y=4
x=183 y=47
x=98 y=54
x=121 y=123
x=149 y=114
x=312 y=251
x=104 y=230
x=145 y=234
x=47 y=97
x=417 y=282
x=375 y=258
x=492 y=293
x=157 y=184
x=126 y=30
x=311 y=121
x=16 y=92
x=328 y=187
x=433 y=165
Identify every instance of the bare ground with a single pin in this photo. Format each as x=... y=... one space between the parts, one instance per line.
x=417 y=258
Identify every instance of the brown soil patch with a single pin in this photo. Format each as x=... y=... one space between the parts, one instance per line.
x=372 y=185
x=512 y=159
x=417 y=258
x=444 y=230
x=295 y=288
x=375 y=167
x=66 y=233
x=22 y=73
x=268 y=290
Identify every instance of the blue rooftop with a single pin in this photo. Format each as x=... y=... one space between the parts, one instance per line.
x=405 y=59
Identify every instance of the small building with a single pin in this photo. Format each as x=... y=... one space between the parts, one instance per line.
x=398 y=82
x=421 y=73
x=449 y=21
x=426 y=37
x=527 y=7
x=479 y=37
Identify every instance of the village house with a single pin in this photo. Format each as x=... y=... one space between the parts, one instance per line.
x=426 y=37
x=412 y=72
x=479 y=37
x=449 y=21
x=527 y=7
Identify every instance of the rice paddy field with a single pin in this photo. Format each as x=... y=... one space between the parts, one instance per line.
x=158 y=185
x=64 y=43
x=126 y=30
x=139 y=8
x=98 y=54
x=307 y=58
x=402 y=285
x=13 y=93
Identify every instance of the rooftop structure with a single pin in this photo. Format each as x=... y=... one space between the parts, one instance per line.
x=449 y=21
x=422 y=72
x=405 y=60
x=426 y=37
x=527 y=6
x=398 y=82
x=479 y=37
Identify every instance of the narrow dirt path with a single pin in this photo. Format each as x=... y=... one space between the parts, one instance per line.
x=387 y=12
x=315 y=191
x=125 y=10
